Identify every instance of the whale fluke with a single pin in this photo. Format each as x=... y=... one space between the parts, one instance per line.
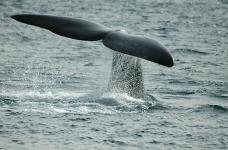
x=72 y=28
x=138 y=46
x=119 y=41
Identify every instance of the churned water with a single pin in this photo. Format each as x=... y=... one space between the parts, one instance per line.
x=52 y=89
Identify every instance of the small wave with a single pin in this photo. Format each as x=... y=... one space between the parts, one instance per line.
x=190 y=51
x=165 y=30
x=113 y=141
x=5 y=100
x=212 y=108
x=223 y=1
x=223 y=95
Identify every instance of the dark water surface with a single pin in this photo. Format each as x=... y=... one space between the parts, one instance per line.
x=52 y=89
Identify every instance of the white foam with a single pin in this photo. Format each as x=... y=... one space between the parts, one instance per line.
x=42 y=95
x=59 y=110
x=35 y=110
x=50 y=102
x=122 y=96
x=100 y=109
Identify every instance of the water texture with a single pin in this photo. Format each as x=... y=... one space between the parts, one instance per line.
x=53 y=90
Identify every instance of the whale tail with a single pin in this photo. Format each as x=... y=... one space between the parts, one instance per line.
x=72 y=28
x=119 y=41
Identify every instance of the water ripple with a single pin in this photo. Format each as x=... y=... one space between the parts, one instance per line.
x=212 y=108
x=190 y=51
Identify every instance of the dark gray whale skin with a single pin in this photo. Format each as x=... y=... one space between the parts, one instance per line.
x=79 y=29
x=137 y=46
x=126 y=74
x=72 y=28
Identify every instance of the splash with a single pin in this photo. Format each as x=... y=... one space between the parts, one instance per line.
x=75 y=102
x=126 y=76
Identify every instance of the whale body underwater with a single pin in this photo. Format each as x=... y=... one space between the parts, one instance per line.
x=126 y=73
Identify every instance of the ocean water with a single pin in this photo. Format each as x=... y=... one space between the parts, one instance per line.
x=53 y=89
